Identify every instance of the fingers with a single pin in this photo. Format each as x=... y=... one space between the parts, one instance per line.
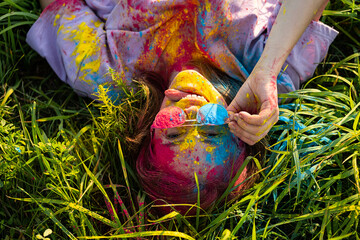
x=249 y=132
x=243 y=100
x=234 y=105
x=267 y=110
x=250 y=127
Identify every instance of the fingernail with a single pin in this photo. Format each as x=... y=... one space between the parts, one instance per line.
x=236 y=116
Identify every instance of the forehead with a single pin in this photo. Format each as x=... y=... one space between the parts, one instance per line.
x=196 y=153
x=194 y=140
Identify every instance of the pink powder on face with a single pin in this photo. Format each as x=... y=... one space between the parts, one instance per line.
x=161 y=180
x=213 y=173
x=163 y=155
x=169 y=117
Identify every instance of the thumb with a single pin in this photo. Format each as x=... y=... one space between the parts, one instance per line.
x=240 y=102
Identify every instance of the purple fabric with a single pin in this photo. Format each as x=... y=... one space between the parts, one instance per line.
x=81 y=40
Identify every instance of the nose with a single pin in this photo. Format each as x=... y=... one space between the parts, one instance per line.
x=191 y=112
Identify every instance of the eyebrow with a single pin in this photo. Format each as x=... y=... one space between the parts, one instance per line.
x=210 y=141
x=176 y=142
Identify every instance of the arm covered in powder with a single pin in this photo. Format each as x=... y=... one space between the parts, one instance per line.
x=255 y=110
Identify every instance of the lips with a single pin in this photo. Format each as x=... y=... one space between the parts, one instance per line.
x=176 y=95
x=192 y=82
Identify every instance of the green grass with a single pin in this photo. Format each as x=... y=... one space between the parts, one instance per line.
x=65 y=164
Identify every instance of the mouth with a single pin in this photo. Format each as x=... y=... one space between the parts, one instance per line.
x=192 y=82
x=191 y=100
x=195 y=97
x=177 y=95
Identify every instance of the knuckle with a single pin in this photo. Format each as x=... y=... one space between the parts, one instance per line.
x=250 y=142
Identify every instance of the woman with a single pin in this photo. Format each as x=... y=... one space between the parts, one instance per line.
x=199 y=53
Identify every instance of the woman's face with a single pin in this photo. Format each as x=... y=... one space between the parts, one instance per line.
x=206 y=149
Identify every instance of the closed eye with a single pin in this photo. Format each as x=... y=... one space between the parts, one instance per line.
x=209 y=131
x=173 y=136
x=174 y=133
x=211 y=135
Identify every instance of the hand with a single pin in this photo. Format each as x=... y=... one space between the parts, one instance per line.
x=254 y=110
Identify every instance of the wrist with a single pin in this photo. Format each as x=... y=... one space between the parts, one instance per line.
x=266 y=72
x=271 y=62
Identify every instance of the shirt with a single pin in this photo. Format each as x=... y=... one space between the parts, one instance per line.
x=82 y=40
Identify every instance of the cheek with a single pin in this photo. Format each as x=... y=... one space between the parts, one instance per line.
x=185 y=162
x=163 y=155
x=188 y=161
x=223 y=160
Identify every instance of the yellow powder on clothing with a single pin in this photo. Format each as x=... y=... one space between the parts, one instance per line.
x=88 y=46
x=56 y=18
x=72 y=17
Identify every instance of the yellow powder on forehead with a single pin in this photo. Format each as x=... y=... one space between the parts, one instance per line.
x=189 y=141
x=210 y=149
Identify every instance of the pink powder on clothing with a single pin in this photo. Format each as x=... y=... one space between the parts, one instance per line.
x=72 y=5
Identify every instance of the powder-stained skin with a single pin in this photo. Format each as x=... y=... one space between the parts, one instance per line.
x=209 y=150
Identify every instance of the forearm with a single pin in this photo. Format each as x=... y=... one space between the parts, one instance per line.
x=45 y=3
x=292 y=20
x=254 y=109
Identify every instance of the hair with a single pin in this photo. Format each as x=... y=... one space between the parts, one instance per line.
x=160 y=185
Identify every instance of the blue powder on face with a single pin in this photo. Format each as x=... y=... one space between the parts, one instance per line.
x=212 y=114
x=226 y=151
